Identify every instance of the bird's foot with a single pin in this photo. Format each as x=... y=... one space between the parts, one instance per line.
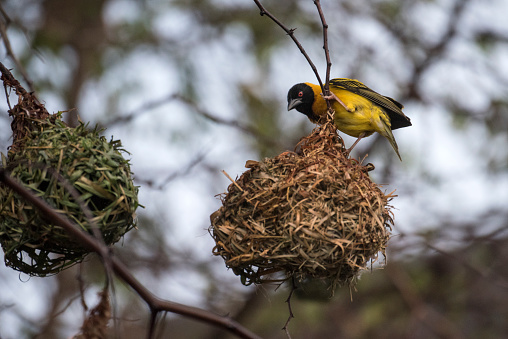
x=346 y=152
x=332 y=96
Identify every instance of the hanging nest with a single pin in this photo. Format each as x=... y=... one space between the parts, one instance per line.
x=311 y=214
x=73 y=170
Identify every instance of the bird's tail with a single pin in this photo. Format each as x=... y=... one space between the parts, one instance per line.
x=386 y=131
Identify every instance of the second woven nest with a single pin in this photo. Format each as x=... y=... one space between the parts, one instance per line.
x=311 y=214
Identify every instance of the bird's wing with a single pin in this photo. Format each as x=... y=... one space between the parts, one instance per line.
x=398 y=118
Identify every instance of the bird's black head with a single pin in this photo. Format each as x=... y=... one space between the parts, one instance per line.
x=301 y=97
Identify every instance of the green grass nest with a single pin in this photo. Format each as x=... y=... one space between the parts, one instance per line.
x=81 y=158
x=306 y=215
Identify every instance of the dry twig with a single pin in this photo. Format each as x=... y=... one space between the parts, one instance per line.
x=147 y=107
x=288 y=301
x=4 y=21
x=325 y=46
x=291 y=33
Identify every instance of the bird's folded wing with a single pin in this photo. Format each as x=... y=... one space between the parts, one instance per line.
x=359 y=88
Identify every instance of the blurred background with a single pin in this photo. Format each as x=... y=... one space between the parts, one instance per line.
x=193 y=87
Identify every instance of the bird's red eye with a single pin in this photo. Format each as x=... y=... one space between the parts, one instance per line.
x=300 y=94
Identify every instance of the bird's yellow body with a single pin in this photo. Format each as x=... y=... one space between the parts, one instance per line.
x=359 y=111
x=362 y=116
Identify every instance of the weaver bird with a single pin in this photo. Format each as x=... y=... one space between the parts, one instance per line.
x=359 y=111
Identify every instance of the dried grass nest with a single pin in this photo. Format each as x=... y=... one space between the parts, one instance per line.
x=311 y=214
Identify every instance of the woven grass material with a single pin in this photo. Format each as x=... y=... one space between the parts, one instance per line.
x=53 y=159
x=311 y=214
x=90 y=164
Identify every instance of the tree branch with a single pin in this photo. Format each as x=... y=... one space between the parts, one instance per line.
x=325 y=45
x=291 y=33
x=201 y=112
x=4 y=20
x=288 y=301
x=155 y=304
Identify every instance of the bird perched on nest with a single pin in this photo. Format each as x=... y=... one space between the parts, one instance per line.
x=359 y=111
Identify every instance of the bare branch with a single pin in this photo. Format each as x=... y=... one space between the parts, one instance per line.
x=207 y=115
x=174 y=175
x=291 y=33
x=155 y=304
x=432 y=53
x=4 y=20
x=201 y=112
x=139 y=111
x=325 y=45
x=288 y=301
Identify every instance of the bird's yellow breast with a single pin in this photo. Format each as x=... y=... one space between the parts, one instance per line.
x=363 y=116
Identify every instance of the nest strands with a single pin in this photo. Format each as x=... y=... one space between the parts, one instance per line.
x=311 y=214
x=53 y=160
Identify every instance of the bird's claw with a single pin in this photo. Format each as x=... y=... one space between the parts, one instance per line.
x=332 y=96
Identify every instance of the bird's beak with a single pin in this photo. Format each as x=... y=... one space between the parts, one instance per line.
x=293 y=103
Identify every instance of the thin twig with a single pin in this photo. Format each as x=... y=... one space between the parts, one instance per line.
x=431 y=53
x=207 y=115
x=288 y=301
x=174 y=175
x=155 y=304
x=172 y=97
x=324 y=87
x=147 y=107
x=4 y=21
x=325 y=46
x=291 y=33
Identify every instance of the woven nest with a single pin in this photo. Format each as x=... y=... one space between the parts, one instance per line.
x=311 y=214
x=70 y=168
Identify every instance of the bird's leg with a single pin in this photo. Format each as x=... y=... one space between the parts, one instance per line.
x=354 y=144
x=332 y=96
